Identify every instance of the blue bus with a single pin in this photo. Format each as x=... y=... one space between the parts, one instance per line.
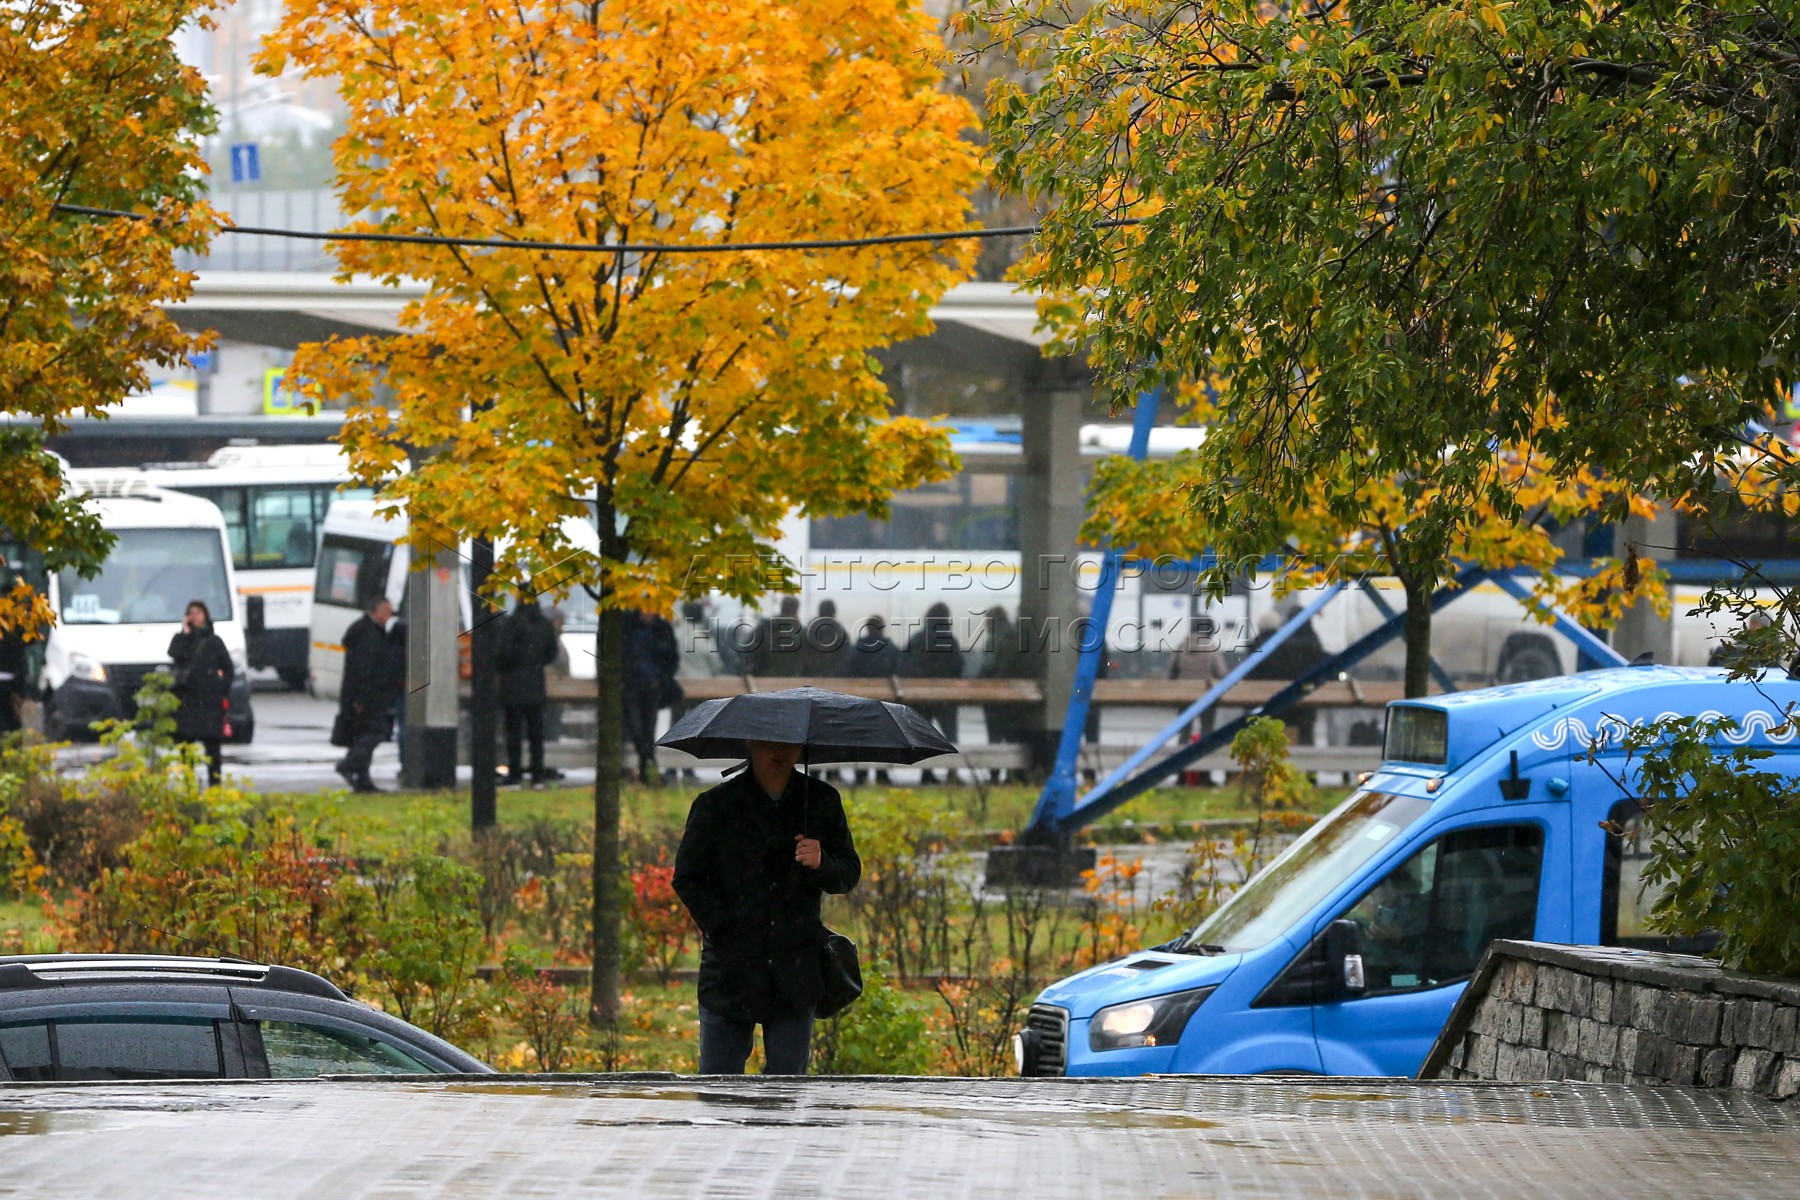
x=1346 y=953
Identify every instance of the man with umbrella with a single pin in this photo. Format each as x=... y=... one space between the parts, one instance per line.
x=763 y=847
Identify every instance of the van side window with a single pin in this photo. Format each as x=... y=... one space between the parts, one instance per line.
x=352 y=572
x=1426 y=924
x=1626 y=900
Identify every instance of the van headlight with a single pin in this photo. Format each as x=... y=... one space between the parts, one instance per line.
x=83 y=667
x=1153 y=1021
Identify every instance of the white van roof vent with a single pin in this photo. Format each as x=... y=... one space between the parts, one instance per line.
x=115 y=487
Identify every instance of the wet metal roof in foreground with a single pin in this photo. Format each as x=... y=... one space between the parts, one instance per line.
x=1039 y=1139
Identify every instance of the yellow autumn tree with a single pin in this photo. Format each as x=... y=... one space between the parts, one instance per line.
x=98 y=112
x=693 y=400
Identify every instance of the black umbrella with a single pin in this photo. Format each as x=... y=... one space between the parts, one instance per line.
x=833 y=727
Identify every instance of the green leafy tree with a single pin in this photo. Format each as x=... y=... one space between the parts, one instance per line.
x=1725 y=840
x=1403 y=229
x=1418 y=239
x=693 y=401
x=99 y=112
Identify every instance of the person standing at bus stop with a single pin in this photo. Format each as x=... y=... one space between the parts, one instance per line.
x=528 y=645
x=366 y=699
x=202 y=685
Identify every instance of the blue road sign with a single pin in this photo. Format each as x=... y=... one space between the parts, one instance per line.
x=245 y=166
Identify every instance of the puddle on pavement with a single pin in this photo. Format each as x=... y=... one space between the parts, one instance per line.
x=38 y=1124
x=25 y=1124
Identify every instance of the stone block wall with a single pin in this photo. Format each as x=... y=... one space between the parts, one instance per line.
x=1602 y=1014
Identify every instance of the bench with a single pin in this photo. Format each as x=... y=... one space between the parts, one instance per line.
x=1142 y=693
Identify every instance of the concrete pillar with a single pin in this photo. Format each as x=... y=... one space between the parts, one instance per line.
x=1052 y=503
x=434 y=619
x=1640 y=629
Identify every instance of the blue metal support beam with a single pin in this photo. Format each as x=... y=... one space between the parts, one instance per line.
x=1098 y=802
x=1058 y=796
x=1213 y=694
x=1116 y=790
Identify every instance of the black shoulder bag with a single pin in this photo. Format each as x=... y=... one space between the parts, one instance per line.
x=842 y=972
x=838 y=965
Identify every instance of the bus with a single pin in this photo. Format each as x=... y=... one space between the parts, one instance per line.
x=956 y=542
x=274 y=498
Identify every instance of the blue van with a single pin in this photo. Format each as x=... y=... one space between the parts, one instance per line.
x=1346 y=953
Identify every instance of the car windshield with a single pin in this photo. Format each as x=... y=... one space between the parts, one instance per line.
x=150 y=576
x=1306 y=872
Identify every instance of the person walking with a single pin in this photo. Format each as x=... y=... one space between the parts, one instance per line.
x=528 y=645
x=652 y=657
x=366 y=697
x=759 y=851
x=202 y=671
x=933 y=653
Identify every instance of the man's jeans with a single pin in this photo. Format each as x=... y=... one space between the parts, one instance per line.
x=725 y=1044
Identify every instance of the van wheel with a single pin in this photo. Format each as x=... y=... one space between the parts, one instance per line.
x=1527 y=660
x=294 y=677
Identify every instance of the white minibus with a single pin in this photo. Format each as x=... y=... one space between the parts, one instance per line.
x=114 y=629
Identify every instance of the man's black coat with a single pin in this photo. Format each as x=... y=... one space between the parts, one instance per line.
x=528 y=644
x=371 y=682
x=757 y=908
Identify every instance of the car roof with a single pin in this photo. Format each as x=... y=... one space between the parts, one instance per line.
x=25 y=971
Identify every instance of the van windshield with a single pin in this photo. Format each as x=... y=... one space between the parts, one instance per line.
x=150 y=577
x=1306 y=872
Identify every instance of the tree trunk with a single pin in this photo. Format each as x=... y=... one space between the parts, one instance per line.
x=1418 y=636
x=484 y=691
x=609 y=680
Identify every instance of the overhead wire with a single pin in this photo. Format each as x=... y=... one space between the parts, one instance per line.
x=426 y=239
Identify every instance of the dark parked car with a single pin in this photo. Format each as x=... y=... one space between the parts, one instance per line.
x=119 y=1016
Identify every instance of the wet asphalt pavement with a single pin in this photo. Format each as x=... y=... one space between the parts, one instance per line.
x=1043 y=1139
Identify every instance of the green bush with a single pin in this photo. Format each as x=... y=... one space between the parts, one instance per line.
x=217 y=870
x=1725 y=841
x=883 y=1033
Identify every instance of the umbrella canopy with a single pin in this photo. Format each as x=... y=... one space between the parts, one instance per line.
x=833 y=727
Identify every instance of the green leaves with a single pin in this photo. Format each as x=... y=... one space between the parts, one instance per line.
x=1725 y=846
x=1401 y=235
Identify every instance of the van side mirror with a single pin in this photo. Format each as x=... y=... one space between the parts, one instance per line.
x=1343 y=956
x=253 y=614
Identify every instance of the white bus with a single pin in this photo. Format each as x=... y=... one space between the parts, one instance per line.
x=114 y=629
x=957 y=543
x=274 y=498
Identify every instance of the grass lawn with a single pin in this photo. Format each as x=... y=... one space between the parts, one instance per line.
x=424 y=818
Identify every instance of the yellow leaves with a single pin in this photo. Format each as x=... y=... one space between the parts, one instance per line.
x=701 y=398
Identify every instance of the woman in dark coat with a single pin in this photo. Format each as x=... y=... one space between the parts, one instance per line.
x=203 y=685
